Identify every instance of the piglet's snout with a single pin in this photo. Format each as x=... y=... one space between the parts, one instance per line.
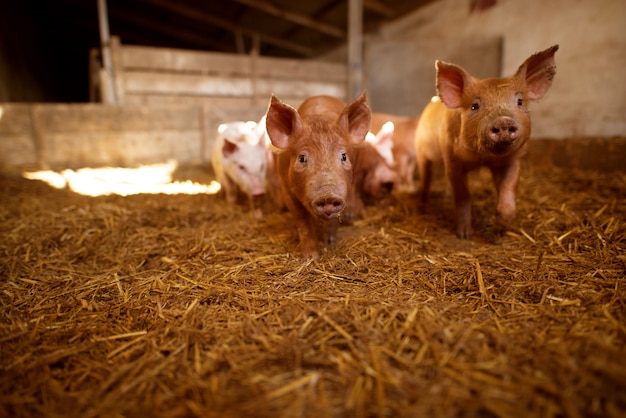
x=328 y=206
x=504 y=129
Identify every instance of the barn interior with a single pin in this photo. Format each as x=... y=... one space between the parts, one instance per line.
x=129 y=287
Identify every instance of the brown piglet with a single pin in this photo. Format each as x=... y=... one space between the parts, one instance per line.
x=312 y=160
x=481 y=122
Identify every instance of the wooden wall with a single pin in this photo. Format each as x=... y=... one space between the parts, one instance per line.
x=169 y=105
x=147 y=75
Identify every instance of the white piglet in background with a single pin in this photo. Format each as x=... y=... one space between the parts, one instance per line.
x=383 y=142
x=238 y=159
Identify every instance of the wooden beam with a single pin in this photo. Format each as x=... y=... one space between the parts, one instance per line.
x=203 y=42
x=379 y=7
x=355 y=48
x=109 y=95
x=297 y=18
x=199 y=15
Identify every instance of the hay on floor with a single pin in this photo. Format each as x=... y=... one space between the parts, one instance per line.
x=157 y=305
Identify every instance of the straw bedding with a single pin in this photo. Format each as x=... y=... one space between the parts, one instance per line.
x=179 y=306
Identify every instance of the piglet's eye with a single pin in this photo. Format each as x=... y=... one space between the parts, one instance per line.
x=520 y=102
x=475 y=106
x=302 y=158
x=344 y=157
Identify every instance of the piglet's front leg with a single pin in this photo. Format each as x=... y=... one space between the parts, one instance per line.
x=505 y=179
x=308 y=237
x=327 y=232
x=305 y=224
x=462 y=200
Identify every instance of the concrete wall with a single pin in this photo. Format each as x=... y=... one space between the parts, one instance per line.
x=411 y=66
x=588 y=96
x=64 y=135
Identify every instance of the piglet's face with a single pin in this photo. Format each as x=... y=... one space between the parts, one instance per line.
x=320 y=170
x=494 y=115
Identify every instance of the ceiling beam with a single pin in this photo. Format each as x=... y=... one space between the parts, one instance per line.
x=378 y=7
x=162 y=30
x=199 y=15
x=297 y=18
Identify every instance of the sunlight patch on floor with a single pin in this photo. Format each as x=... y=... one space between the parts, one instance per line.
x=150 y=179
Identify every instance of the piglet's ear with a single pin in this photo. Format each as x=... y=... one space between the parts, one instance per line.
x=538 y=71
x=260 y=132
x=229 y=147
x=384 y=135
x=282 y=122
x=451 y=80
x=356 y=118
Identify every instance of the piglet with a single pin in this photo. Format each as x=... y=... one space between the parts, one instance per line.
x=373 y=176
x=313 y=161
x=403 y=139
x=477 y=123
x=238 y=159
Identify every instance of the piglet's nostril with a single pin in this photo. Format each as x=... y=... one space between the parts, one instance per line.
x=328 y=206
x=504 y=129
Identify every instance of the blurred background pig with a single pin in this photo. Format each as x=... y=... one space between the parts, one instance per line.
x=238 y=159
x=373 y=176
x=403 y=139
x=481 y=123
x=313 y=161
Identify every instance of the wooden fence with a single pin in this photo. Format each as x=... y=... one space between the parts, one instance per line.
x=168 y=105
x=147 y=75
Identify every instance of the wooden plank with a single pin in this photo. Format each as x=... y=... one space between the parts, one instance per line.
x=145 y=59
x=168 y=59
x=302 y=69
x=108 y=74
x=161 y=99
x=175 y=84
x=355 y=47
x=302 y=89
x=117 y=72
x=142 y=82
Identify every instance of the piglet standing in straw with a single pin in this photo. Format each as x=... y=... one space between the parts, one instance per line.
x=238 y=159
x=477 y=123
x=313 y=161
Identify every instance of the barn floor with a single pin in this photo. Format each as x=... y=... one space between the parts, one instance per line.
x=175 y=306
